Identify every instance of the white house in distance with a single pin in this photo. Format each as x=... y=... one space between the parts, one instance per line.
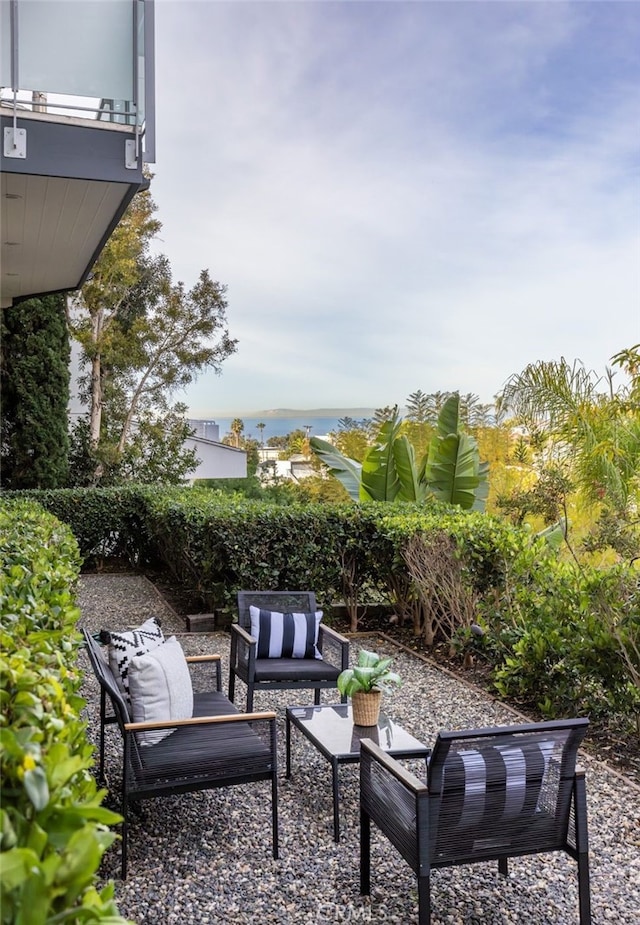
x=216 y=460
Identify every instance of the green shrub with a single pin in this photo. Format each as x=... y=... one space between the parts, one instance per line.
x=560 y=638
x=105 y=521
x=53 y=829
x=560 y=633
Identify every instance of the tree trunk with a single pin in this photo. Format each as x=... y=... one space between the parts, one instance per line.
x=133 y=407
x=95 y=419
x=95 y=415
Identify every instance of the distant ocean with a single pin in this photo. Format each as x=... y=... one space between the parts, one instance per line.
x=278 y=427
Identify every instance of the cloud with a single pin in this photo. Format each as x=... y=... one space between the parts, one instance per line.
x=401 y=195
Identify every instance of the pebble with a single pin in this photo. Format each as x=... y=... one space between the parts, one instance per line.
x=204 y=858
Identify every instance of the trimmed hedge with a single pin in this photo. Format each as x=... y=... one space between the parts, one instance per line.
x=54 y=830
x=560 y=638
x=218 y=546
x=105 y=521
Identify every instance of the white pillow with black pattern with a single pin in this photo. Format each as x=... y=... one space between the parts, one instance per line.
x=285 y=635
x=123 y=646
x=160 y=688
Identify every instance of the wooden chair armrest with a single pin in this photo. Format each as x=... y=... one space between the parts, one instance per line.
x=243 y=634
x=203 y=658
x=200 y=721
x=338 y=637
x=212 y=659
x=405 y=777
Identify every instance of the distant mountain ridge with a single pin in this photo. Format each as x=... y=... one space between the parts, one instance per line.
x=297 y=413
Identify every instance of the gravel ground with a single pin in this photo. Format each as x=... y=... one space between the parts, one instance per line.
x=204 y=858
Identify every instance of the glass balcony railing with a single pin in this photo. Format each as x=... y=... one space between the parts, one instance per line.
x=90 y=60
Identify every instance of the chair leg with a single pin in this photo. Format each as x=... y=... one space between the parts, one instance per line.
x=232 y=685
x=584 y=892
x=125 y=835
x=582 y=847
x=365 y=853
x=274 y=815
x=424 y=900
x=103 y=710
x=316 y=696
x=249 y=697
x=503 y=867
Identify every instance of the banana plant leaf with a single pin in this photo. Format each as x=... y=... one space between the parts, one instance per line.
x=482 y=491
x=412 y=487
x=380 y=480
x=449 y=417
x=453 y=469
x=346 y=470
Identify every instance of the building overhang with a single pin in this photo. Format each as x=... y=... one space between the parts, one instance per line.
x=61 y=198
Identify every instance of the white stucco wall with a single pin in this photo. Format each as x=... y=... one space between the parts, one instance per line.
x=217 y=460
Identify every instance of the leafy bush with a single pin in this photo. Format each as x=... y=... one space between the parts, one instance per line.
x=564 y=637
x=105 y=521
x=53 y=828
x=217 y=545
x=560 y=638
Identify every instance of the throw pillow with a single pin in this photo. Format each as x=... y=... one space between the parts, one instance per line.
x=285 y=635
x=122 y=647
x=160 y=689
x=495 y=785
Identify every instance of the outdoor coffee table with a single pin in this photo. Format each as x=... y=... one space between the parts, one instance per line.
x=331 y=730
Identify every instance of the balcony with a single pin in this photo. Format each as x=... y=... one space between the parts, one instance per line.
x=78 y=126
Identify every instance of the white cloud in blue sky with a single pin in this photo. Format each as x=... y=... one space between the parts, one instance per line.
x=400 y=196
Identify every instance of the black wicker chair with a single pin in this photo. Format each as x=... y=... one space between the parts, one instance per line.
x=218 y=747
x=283 y=673
x=491 y=794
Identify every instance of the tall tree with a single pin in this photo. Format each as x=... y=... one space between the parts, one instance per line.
x=145 y=337
x=34 y=386
x=593 y=432
x=100 y=305
x=237 y=428
x=469 y=409
x=177 y=335
x=352 y=437
x=418 y=407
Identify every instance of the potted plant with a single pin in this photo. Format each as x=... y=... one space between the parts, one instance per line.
x=365 y=683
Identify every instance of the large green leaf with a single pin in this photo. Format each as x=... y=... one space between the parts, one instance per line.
x=346 y=470
x=452 y=469
x=412 y=488
x=380 y=481
x=482 y=491
x=449 y=417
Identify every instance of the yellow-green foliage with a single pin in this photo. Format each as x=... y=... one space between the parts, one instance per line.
x=53 y=829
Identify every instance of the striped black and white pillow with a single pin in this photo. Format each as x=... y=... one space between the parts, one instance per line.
x=496 y=784
x=285 y=635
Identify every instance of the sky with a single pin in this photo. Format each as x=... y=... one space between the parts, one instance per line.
x=400 y=195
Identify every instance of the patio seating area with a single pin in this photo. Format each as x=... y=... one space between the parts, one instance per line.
x=200 y=857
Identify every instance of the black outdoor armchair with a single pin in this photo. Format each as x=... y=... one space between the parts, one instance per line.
x=491 y=794
x=217 y=747
x=283 y=673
